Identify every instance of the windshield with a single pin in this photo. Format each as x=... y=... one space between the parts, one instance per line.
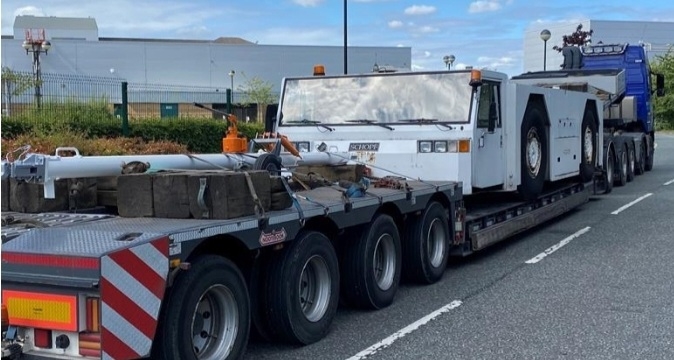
x=392 y=98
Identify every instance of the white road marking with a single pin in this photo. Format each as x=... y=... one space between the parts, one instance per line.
x=669 y=182
x=630 y=204
x=405 y=331
x=557 y=246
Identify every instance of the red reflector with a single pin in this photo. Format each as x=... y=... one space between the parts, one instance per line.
x=74 y=262
x=43 y=338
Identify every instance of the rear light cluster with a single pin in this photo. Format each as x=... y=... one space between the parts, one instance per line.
x=90 y=341
x=443 y=146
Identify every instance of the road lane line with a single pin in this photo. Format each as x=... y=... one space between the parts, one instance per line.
x=669 y=182
x=557 y=246
x=405 y=331
x=630 y=204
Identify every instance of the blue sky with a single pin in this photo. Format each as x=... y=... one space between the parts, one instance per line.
x=484 y=33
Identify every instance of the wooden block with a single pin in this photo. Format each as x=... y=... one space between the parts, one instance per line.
x=107 y=183
x=335 y=173
x=170 y=197
x=135 y=195
x=281 y=200
x=107 y=198
x=227 y=193
x=29 y=197
x=82 y=193
x=4 y=193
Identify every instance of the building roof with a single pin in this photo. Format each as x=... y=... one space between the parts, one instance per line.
x=23 y=22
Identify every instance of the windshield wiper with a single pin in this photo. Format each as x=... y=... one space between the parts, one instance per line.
x=426 y=121
x=307 y=121
x=372 y=122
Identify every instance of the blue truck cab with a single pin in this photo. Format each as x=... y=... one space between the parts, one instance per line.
x=634 y=60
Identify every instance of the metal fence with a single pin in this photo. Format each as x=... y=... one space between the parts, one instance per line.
x=60 y=94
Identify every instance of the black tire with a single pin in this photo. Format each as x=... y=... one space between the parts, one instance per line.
x=371 y=265
x=641 y=161
x=588 y=149
x=212 y=285
x=621 y=176
x=269 y=162
x=650 y=155
x=301 y=290
x=609 y=164
x=631 y=161
x=426 y=245
x=534 y=142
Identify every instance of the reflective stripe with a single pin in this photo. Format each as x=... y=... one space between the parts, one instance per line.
x=151 y=256
x=125 y=332
x=134 y=290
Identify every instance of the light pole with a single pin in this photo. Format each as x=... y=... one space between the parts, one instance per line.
x=449 y=60
x=545 y=36
x=231 y=80
x=36 y=46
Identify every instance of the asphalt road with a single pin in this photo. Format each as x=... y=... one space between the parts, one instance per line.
x=606 y=293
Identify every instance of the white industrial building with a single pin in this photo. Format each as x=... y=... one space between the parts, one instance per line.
x=656 y=36
x=77 y=49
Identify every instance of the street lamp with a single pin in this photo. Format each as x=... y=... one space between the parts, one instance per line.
x=231 y=79
x=36 y=45
x=545 y=36
x=449 y=60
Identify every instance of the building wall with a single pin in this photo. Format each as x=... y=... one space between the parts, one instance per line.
x=198 y=63
x=658 y=37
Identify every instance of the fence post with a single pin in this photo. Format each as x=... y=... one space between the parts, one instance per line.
x=229 y=101
x=125 y=108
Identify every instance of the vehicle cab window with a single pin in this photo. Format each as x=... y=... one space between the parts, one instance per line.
x=489 y=97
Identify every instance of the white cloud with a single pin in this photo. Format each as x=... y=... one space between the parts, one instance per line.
x=420 y=10
x=395 y=24
x=427 y=54
x=496 y=62
x=28 y=10
x=308 y=3
x=428 y=29
x=483 y=6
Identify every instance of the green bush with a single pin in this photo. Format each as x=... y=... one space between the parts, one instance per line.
x=94 y=120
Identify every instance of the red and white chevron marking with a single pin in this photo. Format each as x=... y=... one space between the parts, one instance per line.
x=132 y=288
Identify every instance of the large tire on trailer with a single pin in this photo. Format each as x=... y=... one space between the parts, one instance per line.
x=622 y=167
x=534 y=152
x=641 y=161
x=301 y=290
x=269 y=162
x=588 y=145
x=426 y=246
x=650 y=155
x=372 y=264
x=207 y=315
x=631 y=161
x=609 y=163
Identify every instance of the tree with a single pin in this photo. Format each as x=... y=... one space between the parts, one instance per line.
x=579 y=37
x=664 y=106
x=14 y=84
x=258 y=91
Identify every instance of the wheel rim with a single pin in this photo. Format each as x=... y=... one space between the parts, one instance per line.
x=533 y=152
x=314 y=288
x=435 y=243
x=589 y=147
x=215 y=323
x=384 y=262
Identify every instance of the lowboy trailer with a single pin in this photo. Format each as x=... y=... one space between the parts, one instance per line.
x=452 y=162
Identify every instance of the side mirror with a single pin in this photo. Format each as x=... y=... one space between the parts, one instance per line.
x=493 y=116
x=659 y=85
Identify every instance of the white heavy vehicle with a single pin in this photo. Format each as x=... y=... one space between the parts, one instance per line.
x=473 y=126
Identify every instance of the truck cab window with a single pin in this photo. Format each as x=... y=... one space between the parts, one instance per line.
x=489 y=93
